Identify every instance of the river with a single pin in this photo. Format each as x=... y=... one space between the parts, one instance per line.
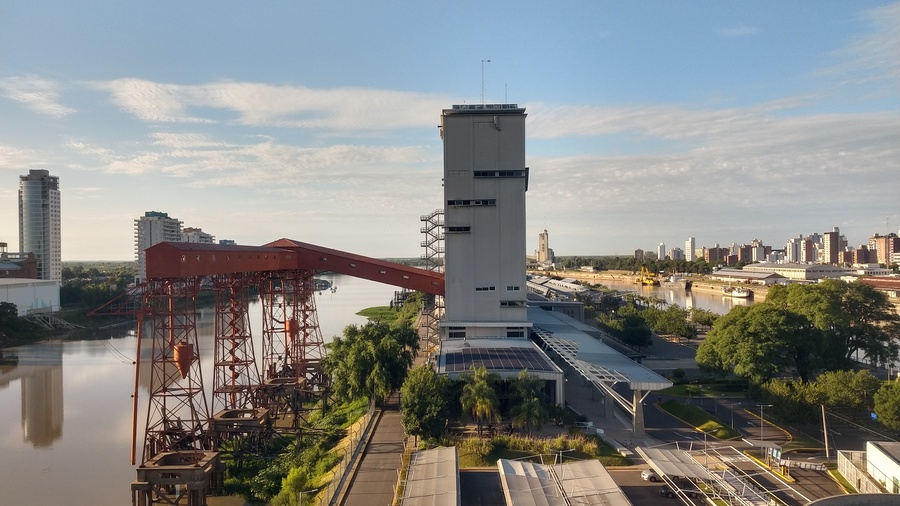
x=710 y=300
x=65 y=409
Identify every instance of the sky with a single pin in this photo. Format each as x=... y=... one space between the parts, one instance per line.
x=647 y=121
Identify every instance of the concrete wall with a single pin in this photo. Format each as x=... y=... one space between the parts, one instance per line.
x=30 y=295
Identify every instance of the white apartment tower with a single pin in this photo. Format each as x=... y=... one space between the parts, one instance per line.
x=485 y=180
x=152 y=228
x=40 y=222
x=689 y=247
x=661 y=251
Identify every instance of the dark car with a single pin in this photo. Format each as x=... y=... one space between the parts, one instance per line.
x=686 y=487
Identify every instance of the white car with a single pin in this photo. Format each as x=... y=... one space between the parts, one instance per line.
x=649 y=475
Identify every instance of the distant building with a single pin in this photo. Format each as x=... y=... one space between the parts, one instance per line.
x=152 y=228
x=544 y=253
x=884 y=246
x=800 y=272
x=661 y=251
x=639 y=254
x=227 y=242
x=676 y=254
x=689 y=247
x=196 y=235
x=40 y=222
x=30 y=295
x=17 y=265
x=716 y=255
x=832 y=247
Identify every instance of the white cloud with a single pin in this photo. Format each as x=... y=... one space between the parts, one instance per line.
x=286 y=106
x=738 y=31
x=38 y=94
x=872 y=58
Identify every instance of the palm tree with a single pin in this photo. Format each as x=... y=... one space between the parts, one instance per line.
x=529 y=414
x=479 y=397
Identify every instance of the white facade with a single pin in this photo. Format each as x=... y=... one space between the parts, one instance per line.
x=40 y=222
x=661 y=251
x=800 y=272
x=30 y=295
x=689 y=247
x=883 y=464
x=196 y=235
x=485 y=180
x=153 y=228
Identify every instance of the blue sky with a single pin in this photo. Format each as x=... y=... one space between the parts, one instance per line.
x=647 y=122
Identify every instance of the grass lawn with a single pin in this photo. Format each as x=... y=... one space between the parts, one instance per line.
x=700 y=419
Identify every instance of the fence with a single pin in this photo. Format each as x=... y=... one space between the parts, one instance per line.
x=358 y=432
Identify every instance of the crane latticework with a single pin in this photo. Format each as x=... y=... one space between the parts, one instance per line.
x=178 y=409
x=235 y=374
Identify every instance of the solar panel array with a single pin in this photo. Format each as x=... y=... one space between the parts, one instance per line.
x=496 y=358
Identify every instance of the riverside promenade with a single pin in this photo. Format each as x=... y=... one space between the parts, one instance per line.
x=375 y=476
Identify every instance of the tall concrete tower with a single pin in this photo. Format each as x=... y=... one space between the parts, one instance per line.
x=543 y=252
x=689 y=247
x=40 y=222
x=485 y=180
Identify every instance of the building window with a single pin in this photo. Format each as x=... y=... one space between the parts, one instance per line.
x=472 y=203
x=456 y=334
x=499 y=173
x=458 y=230
x=515 y=332
x=484 y=288
x=512 y=288
x=511 y=303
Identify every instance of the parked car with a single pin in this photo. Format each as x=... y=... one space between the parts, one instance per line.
x=666 y=491
x=649 y=475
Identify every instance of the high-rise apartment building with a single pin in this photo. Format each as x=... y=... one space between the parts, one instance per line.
x=884 y=246
x=485 y=180
x=661 y=251
x=831 y=247
x=152 y=228
x=689 y=247
x=40 y=222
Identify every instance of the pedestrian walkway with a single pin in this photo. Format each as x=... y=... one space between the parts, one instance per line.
x=374 y=479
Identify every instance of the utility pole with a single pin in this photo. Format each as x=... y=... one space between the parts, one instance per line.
x=825 y=434
x=482 y=79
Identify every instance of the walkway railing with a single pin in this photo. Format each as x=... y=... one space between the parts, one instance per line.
x=357 y=436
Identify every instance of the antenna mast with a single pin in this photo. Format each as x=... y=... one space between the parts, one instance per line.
x=482 y=79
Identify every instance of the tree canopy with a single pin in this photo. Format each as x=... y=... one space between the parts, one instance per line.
x=479 y=398
x=423 y=405
x=803 y=329
x=370 y=360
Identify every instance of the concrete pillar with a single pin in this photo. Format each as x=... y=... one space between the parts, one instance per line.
x=638 y=420
x=609 y=406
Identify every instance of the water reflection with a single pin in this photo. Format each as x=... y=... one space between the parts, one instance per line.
x=40 y=374
x=45 y=456
x=711 y=300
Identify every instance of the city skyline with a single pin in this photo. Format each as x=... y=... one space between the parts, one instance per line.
x=647 y=123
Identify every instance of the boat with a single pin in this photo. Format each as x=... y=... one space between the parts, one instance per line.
x=646 y=278
x=737 y=292
x=676 y=281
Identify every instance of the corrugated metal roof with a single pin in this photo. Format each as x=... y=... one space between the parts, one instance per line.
x=568 y=337
x=433 y=478
x=577 y=482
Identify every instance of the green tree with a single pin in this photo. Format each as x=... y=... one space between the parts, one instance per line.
x=853 y=318
x=848 y=389
x=370 y=360
x=9 y=314
x=887 y=405
x=423 y=406
x=793 y=400
x=479 y=398
x=529 y=411
x=759 y=342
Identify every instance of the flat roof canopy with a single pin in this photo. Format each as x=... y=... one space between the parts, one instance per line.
x=578 y=482
x=495 y=354
x=598 y=362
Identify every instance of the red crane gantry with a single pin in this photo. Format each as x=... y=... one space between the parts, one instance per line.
x=292 y=343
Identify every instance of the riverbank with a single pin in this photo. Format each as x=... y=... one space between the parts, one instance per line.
x=699 y=283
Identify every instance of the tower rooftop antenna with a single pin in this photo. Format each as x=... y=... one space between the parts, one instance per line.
x=483 y=61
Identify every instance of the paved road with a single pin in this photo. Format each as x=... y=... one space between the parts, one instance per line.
x=376 y=476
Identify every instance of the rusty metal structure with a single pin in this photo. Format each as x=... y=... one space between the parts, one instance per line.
x=252 y=396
